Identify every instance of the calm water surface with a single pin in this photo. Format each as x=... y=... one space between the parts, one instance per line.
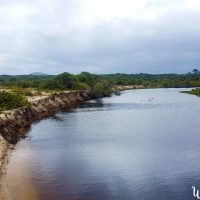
x=142 y=145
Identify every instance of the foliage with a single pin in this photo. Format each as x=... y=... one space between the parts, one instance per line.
x=20 y=91
x=156 y=80
x=196 y=71
x=10 y=101
x=194 y=92
x=101 y=89
x=98 y=84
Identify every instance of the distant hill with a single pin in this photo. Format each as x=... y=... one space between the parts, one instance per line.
x=38 y=74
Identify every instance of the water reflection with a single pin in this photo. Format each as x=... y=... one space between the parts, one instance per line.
x=141 y=145
x=98 y=103
x=58 y=117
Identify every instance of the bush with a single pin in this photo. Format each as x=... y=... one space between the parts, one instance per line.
x=194 y=91
x=101 y=89
x=21 y=91
x=10 y=101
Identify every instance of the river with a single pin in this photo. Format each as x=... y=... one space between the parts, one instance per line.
x=142 y=145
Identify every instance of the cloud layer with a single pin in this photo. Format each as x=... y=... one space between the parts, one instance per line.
x=100 y=36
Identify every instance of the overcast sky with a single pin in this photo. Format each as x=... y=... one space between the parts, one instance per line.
x=99 y=36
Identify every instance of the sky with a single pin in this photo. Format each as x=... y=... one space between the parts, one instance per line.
x=99 y=36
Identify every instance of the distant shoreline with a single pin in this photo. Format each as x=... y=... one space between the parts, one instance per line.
x=195 y=91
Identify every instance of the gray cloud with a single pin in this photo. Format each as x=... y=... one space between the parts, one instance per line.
x=55 y=36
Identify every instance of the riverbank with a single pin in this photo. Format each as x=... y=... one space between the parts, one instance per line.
x=5 y=148
x=15 y=123
x=195 y=91
x=63 y=156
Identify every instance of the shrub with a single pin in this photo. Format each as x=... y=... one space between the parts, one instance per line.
x=101 y=89
x=20 y=91
x=10 y=101
x=194 y=91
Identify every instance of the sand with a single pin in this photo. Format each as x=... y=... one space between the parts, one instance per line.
x=4 y=154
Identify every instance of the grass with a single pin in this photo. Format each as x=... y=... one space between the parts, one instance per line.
x=194 y=92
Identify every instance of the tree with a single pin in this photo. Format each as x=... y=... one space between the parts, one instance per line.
x=101 y=89
x=67 y=80
x=195 y=71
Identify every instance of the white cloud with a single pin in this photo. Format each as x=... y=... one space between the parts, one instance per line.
x=101 y=35
x=192 y=5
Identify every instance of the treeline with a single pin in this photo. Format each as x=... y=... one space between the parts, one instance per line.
x=99 y=83
x=19 y=87
x=156 y=80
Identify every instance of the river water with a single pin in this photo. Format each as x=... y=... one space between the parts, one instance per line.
x=142 y=145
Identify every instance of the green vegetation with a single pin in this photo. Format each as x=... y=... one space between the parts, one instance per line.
x=19 y=91
x=101 y=89
x=156 y=80
x=99 y=85
x=10 y=100
x=194 y=92
x=86 y=80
